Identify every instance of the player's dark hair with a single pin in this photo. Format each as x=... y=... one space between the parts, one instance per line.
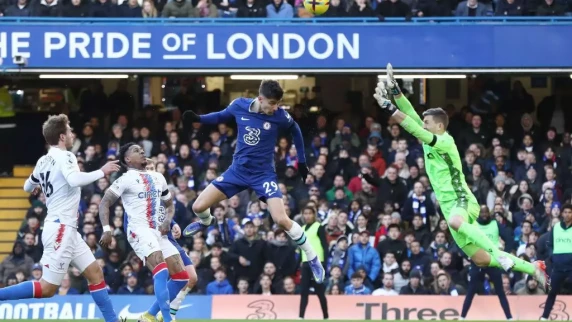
x=53 y=127
x=122 y=151
x=566 y=206
x=271 y=89
x=439 y=115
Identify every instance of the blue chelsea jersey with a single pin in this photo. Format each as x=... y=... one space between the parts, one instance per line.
x=257 y=133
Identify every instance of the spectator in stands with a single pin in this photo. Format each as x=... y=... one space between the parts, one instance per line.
x=362 y=255
x=148 y=11
x=279 y=9
x=77 y=9
x=356 y=287
x=33 y=250
x=179 y=9
x=102 y=9
x=65 y=287
x=387 y=288
x=251 y=9
x=206 y=9
x=443 y=285
x=414 y=287
x=220 y=285
x=130 y=287
x=283 y=254
x=435 y=8
x=471 y=8
x=393 y=244
x=16 y=261
x=393 y=8
x=510 y=8
x=20 y=9
x=361 y=8
x=47 y=8
x=418 y=204
x=248 y=254
x=337 y=9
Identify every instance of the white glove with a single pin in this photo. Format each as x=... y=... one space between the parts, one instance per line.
x=382 y=98
x=392 y=86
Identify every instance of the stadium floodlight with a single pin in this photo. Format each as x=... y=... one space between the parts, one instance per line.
x=261 y=77
x=83 y=76
x=434 y=76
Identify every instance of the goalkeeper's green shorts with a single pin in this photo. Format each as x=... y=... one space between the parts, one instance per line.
x=466 y=208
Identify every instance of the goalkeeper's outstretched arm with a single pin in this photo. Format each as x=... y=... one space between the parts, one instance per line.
x=412 y=126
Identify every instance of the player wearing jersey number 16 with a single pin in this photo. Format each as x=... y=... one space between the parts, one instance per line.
x=258 y=121
x=444 y=169
x=60 y=178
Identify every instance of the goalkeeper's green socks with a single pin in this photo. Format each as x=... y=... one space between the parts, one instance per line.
x=478 y=237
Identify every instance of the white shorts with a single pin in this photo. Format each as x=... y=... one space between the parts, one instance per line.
x=145 y=241
x=63 y=246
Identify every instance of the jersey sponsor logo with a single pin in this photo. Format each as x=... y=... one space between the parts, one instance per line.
x=252 y=137
x=266 y=126
x=149 y=194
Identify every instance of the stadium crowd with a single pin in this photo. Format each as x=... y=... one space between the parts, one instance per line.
x=384 y=233
x=282 y=9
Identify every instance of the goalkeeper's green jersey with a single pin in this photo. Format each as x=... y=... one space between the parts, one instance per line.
x=442 y=159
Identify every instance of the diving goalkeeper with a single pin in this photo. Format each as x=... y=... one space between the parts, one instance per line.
x=443 y=165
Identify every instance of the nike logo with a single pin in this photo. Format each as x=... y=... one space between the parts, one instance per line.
x=270 y=194
x=244 y=119
x=125 y=313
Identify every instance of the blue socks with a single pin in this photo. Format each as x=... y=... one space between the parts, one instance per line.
x=160 y=277
x=177 y=282
x=101 y=298
x=25 y=290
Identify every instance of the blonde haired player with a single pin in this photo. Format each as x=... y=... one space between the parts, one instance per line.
x=172 y=236
x=58 y=174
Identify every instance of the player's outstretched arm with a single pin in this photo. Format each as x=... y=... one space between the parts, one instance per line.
x=109 y=198
x=405 y=121
x=75 y=178
x=402 y=102
x=190 y=117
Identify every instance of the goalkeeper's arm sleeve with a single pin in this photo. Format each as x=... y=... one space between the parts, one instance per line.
x=411 y=126
x=405 y=106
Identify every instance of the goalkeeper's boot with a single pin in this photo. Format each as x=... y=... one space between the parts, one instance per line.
x=147 y=317
x=541 y=276
x=197 y=226
x=317 y=270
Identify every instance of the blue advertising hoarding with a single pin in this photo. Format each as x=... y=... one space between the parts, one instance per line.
x=81 y=307
x=312 y=46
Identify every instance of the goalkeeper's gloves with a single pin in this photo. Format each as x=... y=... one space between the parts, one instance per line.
x=392 y=86
x=383 y=100
x=190 y=117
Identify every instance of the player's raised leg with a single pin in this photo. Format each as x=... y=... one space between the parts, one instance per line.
x=294 y=230
x=202 y=208
x=476 y=244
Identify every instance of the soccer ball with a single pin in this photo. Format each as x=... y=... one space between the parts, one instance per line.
x=317 y=7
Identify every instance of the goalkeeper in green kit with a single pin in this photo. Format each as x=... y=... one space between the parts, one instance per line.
x=444 y=169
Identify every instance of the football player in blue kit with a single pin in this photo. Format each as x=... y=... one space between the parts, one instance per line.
x=259 y=122
x=173 y=235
